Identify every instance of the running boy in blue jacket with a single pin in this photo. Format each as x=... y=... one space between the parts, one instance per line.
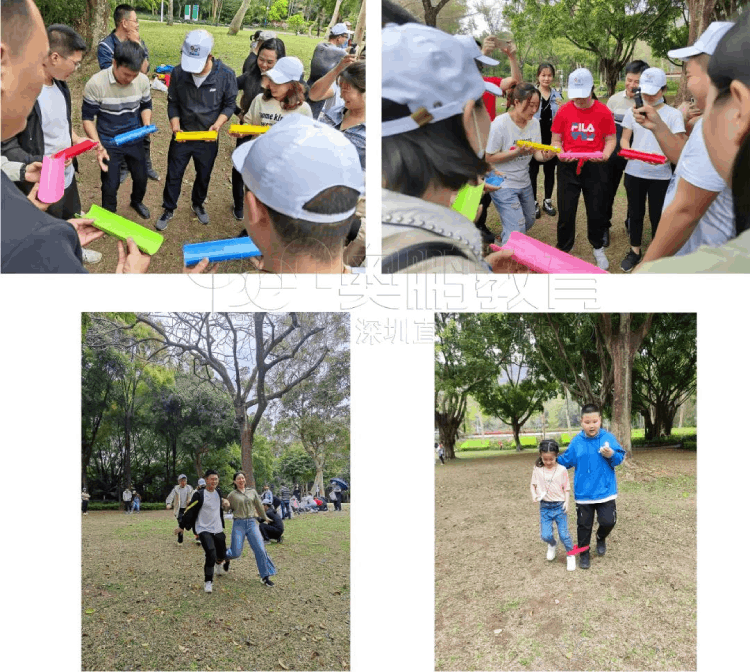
x=594 y=453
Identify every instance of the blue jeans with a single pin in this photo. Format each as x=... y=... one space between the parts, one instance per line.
x=517 y=210
x=247 y=528
x=552 y=512
x=286 y=511
x=136 y=505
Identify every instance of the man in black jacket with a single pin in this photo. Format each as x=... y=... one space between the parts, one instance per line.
x=274 y=529
x=204 y=514
x=202 y=96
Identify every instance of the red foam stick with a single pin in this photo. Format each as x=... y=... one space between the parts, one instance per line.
x=582 y=155
x=75 y=150
x=576 y=551
x=656 y=159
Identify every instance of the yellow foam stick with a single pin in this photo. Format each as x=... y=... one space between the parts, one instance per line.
x=196 y=135
x=536 y=145
x=247 y=129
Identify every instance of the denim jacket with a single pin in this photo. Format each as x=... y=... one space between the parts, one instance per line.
x=555 y=99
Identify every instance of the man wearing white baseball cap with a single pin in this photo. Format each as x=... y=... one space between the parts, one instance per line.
x=328 y=55
x=303 y=179
x=698 y=207
x=202 y=95
x=435 y=128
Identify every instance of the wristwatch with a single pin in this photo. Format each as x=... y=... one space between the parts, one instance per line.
x=22 y=173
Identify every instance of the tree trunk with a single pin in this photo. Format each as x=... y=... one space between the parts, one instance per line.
x=246 y=443
x=448 y=425
x=700 y=12
x=126 y=455
x=236 y=25
x=567 y=409
x=359 y=29
x=318 y=482
x=682 y=415
x=334 y=16
x=516 y=434
x=170 y=15
x=96 y=25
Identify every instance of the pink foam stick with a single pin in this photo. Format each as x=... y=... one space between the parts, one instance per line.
x=657 y=159
x=582 y=155
x=75 y=150
x=576 y=551
x=543 y=258
x=52 y=180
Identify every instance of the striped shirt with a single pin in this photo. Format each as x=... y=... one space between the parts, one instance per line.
x=117 y=108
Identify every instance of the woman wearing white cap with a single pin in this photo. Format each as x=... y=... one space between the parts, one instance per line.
x=284 y=94
x=643 y=180
x=434 y=129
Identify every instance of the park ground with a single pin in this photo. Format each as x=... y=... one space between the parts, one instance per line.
x=143 y=606
x=164 y=43
x=500 y=605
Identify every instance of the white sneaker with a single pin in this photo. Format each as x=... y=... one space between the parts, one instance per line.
x=571 y=563
x=551 y=550
x=209 y=588
x=91 y=256
x=219 y=570
x=601 y=258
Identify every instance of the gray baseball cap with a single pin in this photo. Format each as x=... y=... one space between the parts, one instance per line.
x=294 y=161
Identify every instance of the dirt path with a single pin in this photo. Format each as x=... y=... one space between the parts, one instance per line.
x=144 y=608
x=635 y=609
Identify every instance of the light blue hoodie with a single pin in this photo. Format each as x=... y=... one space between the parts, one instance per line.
x=595 y=475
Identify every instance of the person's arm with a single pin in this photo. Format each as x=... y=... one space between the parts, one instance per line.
x=146 y=103
x=220 y=121
x=173 y=104
x=515 y=69
x=625 y=138
x=618 y=452
x=104 y=55
x=229 y=100
x=504 y=156
x=323 y=88
x=170 y=498
x=534 y=481
x=671 y=144
x=101 y=153
x=610 y=142
x=566 y=490
x=568 y=458
x=679 y=219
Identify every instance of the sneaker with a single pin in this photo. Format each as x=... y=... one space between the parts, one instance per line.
x=91 y=256
x=601 y=258
x=571 y=563
x=161 y=223
x=585 y=560
x=198 y=541
x=219 y=570
x=226 y=566
x=548 y=207
x=601 y=547
x=179 y=537
x=551 y=551
x=538 y=211
x=209 y=587
x=631 y=260
x=605 y=238
x=239 y=214
x=280 y=539
x=142 y=210
x=266 y=581
x=201 y=214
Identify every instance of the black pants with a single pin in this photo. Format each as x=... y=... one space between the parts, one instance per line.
x=69 y=205
x=549 y=175
x=337 y=504
x=180 y=153
x=615 y=167
x=238 y=190
x=134 y=156
x=215 y=547
x=269 y=532
x=638 y=190
x=84 y=505
x=592 y=182
x=179 y=523
x=606 y=514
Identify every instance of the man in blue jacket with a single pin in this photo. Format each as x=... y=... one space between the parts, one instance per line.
x=594 y=453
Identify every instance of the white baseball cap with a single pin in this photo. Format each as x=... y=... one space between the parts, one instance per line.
x=340 y=29
x=705 y=44
x=287 y=69
x=294 y=161
x=429 y=72
x=195 y=50
x=469 y=43
x=652 y=81
x=580 y=83
x=181 y=476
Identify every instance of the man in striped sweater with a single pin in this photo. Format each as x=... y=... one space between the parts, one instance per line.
x=286 y=495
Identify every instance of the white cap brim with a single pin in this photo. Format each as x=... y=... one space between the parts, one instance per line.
x=486 y=60
x=578 y=93
x=650 y=90
x=494 y=89
x=240 y=154
x=684 y=54
x=192 y=65
x=278 y=79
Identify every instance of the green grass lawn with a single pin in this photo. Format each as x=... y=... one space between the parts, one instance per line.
x=164 y=43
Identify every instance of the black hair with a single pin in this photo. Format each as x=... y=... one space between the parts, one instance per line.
x=547 y=446
x=544 y=66
x=64 y=40
x=320 y=241
x=16 y=24
x=121 y=13
x=294 y=98
x=354 y=73
x=394 y=13
x=210 y=472
x=636 y=67
x=590 y=408
x=727 y=65
x=129 y=55
x=234 y=478
x=521 y=93
x=251 y=74
x=437 y=153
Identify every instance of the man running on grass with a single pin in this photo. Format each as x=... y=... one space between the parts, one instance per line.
x=182 y=492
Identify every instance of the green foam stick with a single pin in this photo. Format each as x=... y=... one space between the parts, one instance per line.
x=467 y=200
x=119 y=227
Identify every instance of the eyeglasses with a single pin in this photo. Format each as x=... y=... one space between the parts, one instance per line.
x=76 y=63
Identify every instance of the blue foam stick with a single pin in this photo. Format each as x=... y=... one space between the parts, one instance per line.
x=494 y=179
x=132 y=136
x=162 y=69
x=220 y=250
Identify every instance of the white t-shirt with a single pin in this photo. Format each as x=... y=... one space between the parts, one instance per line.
x=209 y=518
x=199 y=80
x=644 y=140
x=55 y=125
x=503 y=135
x=716 y=226
x=269 y=112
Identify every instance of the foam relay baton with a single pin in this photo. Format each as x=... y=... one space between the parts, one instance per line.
x=220 y=250
x=542 y=258
x=536 y=145
x=52 y=180
x=656 y=159
x=196 y=135
x=467 y=200
x=577 y=551
x=582 y=155
x=247 y=129
x=132 y=136
x=75 y=150
x=119 y=227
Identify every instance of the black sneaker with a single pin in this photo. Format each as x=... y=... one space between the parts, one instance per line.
x=548 y=207
x=266 y=581
x=538 y=211
x=280 y=539
x=179 y=538
x=226 y=566
x=162 y=222
x=605 y=238
x=631 y=260
x=201 y=214
x=239 y=214
x=141 y=209
x=601 y=547
x=584 y=560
